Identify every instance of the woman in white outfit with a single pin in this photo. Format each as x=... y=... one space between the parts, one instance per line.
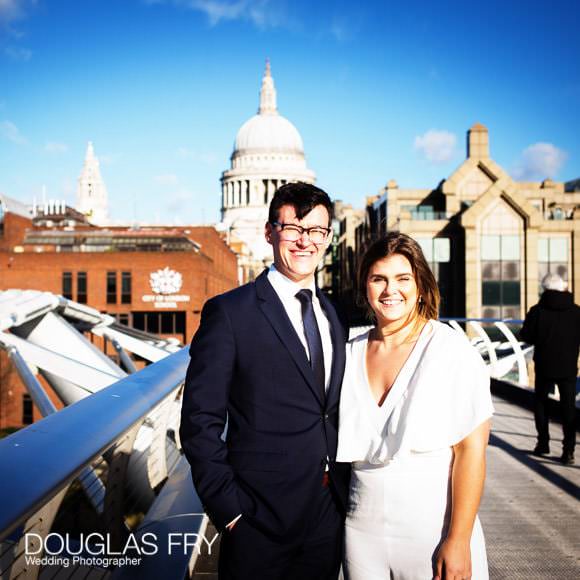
x=414 y=423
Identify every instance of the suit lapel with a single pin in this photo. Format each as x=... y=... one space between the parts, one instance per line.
x=274 y=311
x=338 y=348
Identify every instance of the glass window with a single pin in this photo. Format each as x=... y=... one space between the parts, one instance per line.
x=510 y=271
x=435 y=250
x=427 y=247
x=491 y=293
x=67 y=285
x=490 y=248
x=139 y=320
x=180 y=322
x=491 y=312
x=442 y=249
x=561 y=270
x=511 y=293
x=512 y=312
x=125 y=287
x=111 y=287
x=553 y=255
x=558 y=250
x=152 y=320
x=500 y=275
x=82 y=287
x=167 y=320
x=510 y=247
x=490 y=270
x=27 y=409
x=543 y=250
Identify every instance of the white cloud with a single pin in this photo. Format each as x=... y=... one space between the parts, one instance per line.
x=55 y=148
x=261 y=13
x=11 y=10
x=10 y=131
x=166 y=179
x=18 y=54
x=539 y=161
x=436 y=146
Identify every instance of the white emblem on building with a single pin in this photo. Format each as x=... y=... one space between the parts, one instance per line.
x=165 y=281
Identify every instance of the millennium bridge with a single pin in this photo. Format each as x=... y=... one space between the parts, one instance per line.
x=100 y=489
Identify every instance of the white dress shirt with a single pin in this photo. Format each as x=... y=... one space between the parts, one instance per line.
x=286 y=290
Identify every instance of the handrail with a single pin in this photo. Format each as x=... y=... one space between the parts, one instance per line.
x=485 y=320
x=53 y=457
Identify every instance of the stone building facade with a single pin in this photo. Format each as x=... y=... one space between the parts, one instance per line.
x=489 y=239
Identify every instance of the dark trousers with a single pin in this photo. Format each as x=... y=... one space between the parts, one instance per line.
x=246 y=553
x=567 y=388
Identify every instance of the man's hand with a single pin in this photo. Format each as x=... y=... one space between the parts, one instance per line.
x=453 y=560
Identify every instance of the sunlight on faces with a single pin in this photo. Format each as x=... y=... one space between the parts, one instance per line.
x=298 y=259
x=391 y=290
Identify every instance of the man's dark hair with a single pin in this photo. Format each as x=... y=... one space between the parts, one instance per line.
x=303 y=197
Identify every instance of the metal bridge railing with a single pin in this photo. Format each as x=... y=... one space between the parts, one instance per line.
x=99 y=467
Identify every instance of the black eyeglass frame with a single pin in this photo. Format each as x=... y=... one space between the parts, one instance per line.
x=301 y=231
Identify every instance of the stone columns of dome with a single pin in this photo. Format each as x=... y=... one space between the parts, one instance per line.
x=271 y=189
x=236 y=193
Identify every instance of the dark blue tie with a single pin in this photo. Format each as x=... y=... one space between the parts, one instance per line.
x=312 y=337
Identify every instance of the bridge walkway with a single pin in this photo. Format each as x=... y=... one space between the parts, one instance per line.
x=531 y=510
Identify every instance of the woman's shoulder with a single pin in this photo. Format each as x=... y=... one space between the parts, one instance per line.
x=358 y=335
x=455 y=344
x=358 y=339
x=448 y=335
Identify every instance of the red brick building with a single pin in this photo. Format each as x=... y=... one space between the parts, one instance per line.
x=152 y=278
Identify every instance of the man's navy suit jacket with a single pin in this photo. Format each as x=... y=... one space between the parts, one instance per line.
x=248 y=364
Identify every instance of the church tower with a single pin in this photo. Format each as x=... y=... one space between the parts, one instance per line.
x=91 y=191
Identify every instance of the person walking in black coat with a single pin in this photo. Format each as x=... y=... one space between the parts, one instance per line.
x=553 y=327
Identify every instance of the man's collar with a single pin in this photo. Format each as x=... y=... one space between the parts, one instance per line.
x=286 y=287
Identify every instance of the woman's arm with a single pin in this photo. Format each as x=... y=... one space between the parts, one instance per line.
x=453 y=560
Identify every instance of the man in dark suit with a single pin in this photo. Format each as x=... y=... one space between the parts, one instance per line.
x=269 y=357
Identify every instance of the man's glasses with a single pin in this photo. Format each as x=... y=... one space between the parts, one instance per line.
x=292 y=232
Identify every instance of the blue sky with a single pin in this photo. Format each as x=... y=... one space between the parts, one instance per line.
x=378 y=90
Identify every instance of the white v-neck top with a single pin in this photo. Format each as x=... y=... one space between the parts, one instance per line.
x=440 y=395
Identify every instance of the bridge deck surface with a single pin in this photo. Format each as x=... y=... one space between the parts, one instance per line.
x=530 y=511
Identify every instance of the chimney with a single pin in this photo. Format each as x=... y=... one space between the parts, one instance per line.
x=478 y=142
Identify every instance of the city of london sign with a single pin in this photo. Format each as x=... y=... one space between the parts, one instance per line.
x=165 y=285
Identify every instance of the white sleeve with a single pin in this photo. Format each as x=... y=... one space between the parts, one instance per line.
x=455 y=397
